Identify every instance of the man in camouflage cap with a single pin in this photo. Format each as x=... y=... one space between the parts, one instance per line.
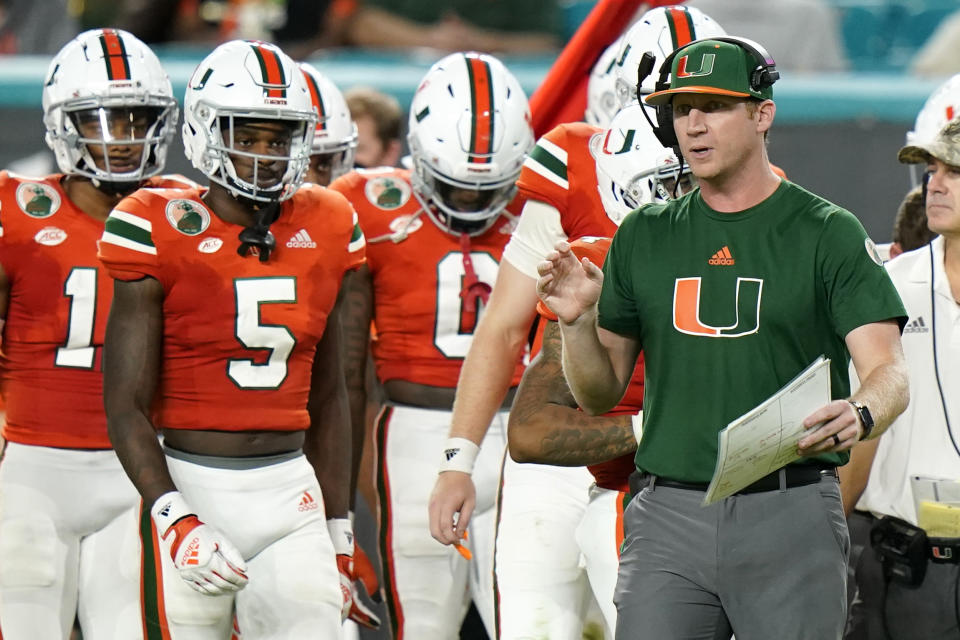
x=916 y=601
x=731 y=290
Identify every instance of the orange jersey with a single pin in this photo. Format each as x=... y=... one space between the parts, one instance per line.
x=239 y=335
x=59 y=297
x=424 y=328
x=561 y=172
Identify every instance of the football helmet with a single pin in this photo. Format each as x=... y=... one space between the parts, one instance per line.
x=106 y=97
x=602 y=103
x=239 y=82
x=658 y=31
x=335 y=134
x=633 y=168
x=469 y=131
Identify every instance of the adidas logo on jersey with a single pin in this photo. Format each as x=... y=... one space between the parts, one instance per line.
x=307 y=503
x=722 y=258
x=917 y=325
x=301 y=240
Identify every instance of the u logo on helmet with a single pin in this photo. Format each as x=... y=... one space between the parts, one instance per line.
x=706 y=67
x=627 y=145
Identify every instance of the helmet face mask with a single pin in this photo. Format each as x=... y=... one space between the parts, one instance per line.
x=239 y=90
x=109 y=109
x=469 y=133
x=603 y=101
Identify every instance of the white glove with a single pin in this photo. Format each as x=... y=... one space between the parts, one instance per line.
x=204 y=557
x=341 y=533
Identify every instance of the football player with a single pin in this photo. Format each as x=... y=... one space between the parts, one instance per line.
x=545 y=425
x=436 y=234
x=68 y=545
x=335 y=138
x=224 y=337
x=542 y=586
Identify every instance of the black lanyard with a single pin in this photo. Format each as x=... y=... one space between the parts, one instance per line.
x=936 y=365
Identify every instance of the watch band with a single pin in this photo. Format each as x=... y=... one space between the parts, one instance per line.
x=866 y=418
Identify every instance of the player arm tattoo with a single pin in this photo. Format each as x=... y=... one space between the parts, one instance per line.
x=357 y=309
x=545 y=425
x=328 y=440
x=131 y=365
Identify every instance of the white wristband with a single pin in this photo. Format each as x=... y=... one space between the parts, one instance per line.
x=459 y=454
x=637 y=421
x=341 y=533
x=169 y=508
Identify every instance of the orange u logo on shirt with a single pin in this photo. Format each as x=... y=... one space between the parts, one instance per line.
x=686 y=309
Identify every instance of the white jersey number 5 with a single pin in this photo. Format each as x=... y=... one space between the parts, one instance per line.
x=250 y=294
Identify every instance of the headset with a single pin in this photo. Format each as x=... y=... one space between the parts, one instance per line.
x=763 y=75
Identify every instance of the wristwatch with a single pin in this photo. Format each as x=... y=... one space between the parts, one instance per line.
x=865 y=418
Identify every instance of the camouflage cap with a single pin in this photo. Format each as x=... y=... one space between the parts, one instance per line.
x=945 y=147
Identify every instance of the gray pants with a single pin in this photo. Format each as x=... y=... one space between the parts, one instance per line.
x=888 y=610
x=762 y=565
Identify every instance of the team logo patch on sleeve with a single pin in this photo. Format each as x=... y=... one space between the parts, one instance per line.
x=387 y=193
x=188 y=217
x=38 y=200
x=872 y=251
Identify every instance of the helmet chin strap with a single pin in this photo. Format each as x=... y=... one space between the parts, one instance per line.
x=473 y=289
x=259 y=236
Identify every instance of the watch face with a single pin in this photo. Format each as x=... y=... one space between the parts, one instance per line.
x=865 y=415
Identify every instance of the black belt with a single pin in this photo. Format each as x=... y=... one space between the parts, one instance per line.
x=796 y=476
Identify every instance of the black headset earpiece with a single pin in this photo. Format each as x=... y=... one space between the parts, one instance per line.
x=763 y=75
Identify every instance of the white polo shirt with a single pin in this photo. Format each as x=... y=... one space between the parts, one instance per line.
x=918 y=442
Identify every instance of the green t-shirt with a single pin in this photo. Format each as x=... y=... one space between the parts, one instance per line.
x=729 y=307
x=503 y=15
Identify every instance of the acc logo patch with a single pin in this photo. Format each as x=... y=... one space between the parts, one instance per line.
x=387 y=193
x=508 y=227
x=50 y=236
x=188 y=217
x=872 y=251
x=405 y=224
x=38 y=200
x=209 y=245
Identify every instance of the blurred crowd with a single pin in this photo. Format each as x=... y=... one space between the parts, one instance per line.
x=805 y=35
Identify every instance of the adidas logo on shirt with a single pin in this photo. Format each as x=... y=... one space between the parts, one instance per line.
x=301 y=240
x=722 y=257
x=917 y=325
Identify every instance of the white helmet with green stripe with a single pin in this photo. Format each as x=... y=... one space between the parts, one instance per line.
x=658 y=31
x=108 y=108
x=238 y=83
x=469 y=131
